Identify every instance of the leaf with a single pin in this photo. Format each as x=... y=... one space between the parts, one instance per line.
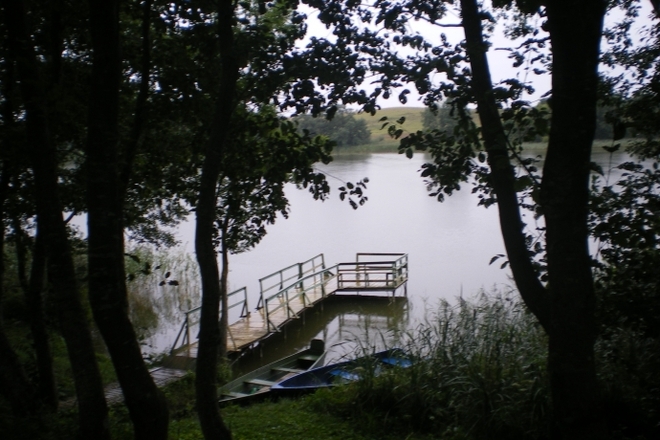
x=504 y=265
x=133 y=257
x=613 y=148
x=384 y=118
x=495 y=258
x=523 y=183
x=167 y=274
x=403 y=98
x=409 y=153
x=162 y=283
x=401 y=120
x=173 y=283
x=349 y=185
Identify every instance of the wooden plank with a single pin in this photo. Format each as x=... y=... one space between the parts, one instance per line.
x=261 y=382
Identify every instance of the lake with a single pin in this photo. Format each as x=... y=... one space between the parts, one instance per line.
x=449 y=244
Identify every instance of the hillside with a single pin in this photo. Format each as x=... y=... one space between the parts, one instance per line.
x=413 y=122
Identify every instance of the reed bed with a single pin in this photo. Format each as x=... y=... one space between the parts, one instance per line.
x=480 y=374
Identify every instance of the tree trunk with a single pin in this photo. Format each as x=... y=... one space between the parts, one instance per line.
x=575 y=32
x=14 y=384
x=567 y=310
x=502 y=176
x=93 y=411
x=224 y=298
x=210 y=419
x=107 y=281
x=33 y=290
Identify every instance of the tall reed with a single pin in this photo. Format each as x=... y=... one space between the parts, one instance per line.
x=481 y=374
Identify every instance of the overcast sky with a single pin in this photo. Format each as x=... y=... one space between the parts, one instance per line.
x=500 y=65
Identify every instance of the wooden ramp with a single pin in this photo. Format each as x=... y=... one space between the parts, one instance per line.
x=286 y=294
x=113 y=394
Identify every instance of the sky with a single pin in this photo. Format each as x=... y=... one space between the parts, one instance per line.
x=501 y=66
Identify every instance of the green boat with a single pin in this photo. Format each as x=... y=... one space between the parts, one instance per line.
x=256 y=384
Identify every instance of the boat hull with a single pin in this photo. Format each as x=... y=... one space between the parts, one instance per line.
x=339 y=373
x=257 y=384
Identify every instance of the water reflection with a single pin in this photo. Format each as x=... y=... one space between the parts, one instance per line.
x=343 y=322
x=449 y=244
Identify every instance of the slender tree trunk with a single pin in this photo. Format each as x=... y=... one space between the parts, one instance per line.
x=224 y=299
x=140 y=119
x=502 y=173
x=75 y=328
x=210 y=419
x=575 y=32
x=33 y=289
x=14 y=384
x=107 y=280
x=567 y=311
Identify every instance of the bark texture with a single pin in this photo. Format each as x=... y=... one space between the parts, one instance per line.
x=210 y=419
x=566 y=309
x=107 y=281
x=575 y=31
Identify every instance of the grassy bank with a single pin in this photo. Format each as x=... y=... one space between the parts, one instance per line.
x=480 y=374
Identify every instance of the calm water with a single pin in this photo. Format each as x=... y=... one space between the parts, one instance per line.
x=449 y=245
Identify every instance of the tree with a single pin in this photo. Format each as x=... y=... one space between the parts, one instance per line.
x=344 y=129
x=562 y=298
x=105 y=201
x=439 y=117
x=72 y=319
x=249 y=188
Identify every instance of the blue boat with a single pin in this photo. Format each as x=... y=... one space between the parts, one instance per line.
x=257 y=384
x=340 y=373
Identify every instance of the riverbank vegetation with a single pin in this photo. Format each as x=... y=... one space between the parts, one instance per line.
x=481 y=373
x=134 y=112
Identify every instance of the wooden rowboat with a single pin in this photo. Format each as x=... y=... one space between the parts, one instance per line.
x=256 y=385
x=340 y=373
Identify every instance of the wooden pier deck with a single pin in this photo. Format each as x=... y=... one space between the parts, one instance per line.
x=286 y=294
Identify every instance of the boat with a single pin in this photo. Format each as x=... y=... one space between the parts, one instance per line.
x=340 y=373
x=256 y=385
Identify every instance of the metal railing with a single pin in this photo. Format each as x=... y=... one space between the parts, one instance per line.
x=300 y=289
x=373 y=275
x=298 y=281
x=192 y=318
x=277 y=281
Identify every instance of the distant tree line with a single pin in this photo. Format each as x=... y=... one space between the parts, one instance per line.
x=443 y=119
x=344 y=128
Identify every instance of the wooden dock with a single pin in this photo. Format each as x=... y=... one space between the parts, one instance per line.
x=287 y=293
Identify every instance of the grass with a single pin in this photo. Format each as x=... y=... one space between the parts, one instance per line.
x=381 y=142
x=413 y=121
x=480 y=375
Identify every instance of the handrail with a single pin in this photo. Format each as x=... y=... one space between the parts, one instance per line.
x=295 y=282
x=373 y=275
x=283 y=277
x=186 y=325
x=300 y=289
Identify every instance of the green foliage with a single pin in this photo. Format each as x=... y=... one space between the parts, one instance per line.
x=624 y=219
x=481 y=374
x=439 y=118
x=344 y=129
